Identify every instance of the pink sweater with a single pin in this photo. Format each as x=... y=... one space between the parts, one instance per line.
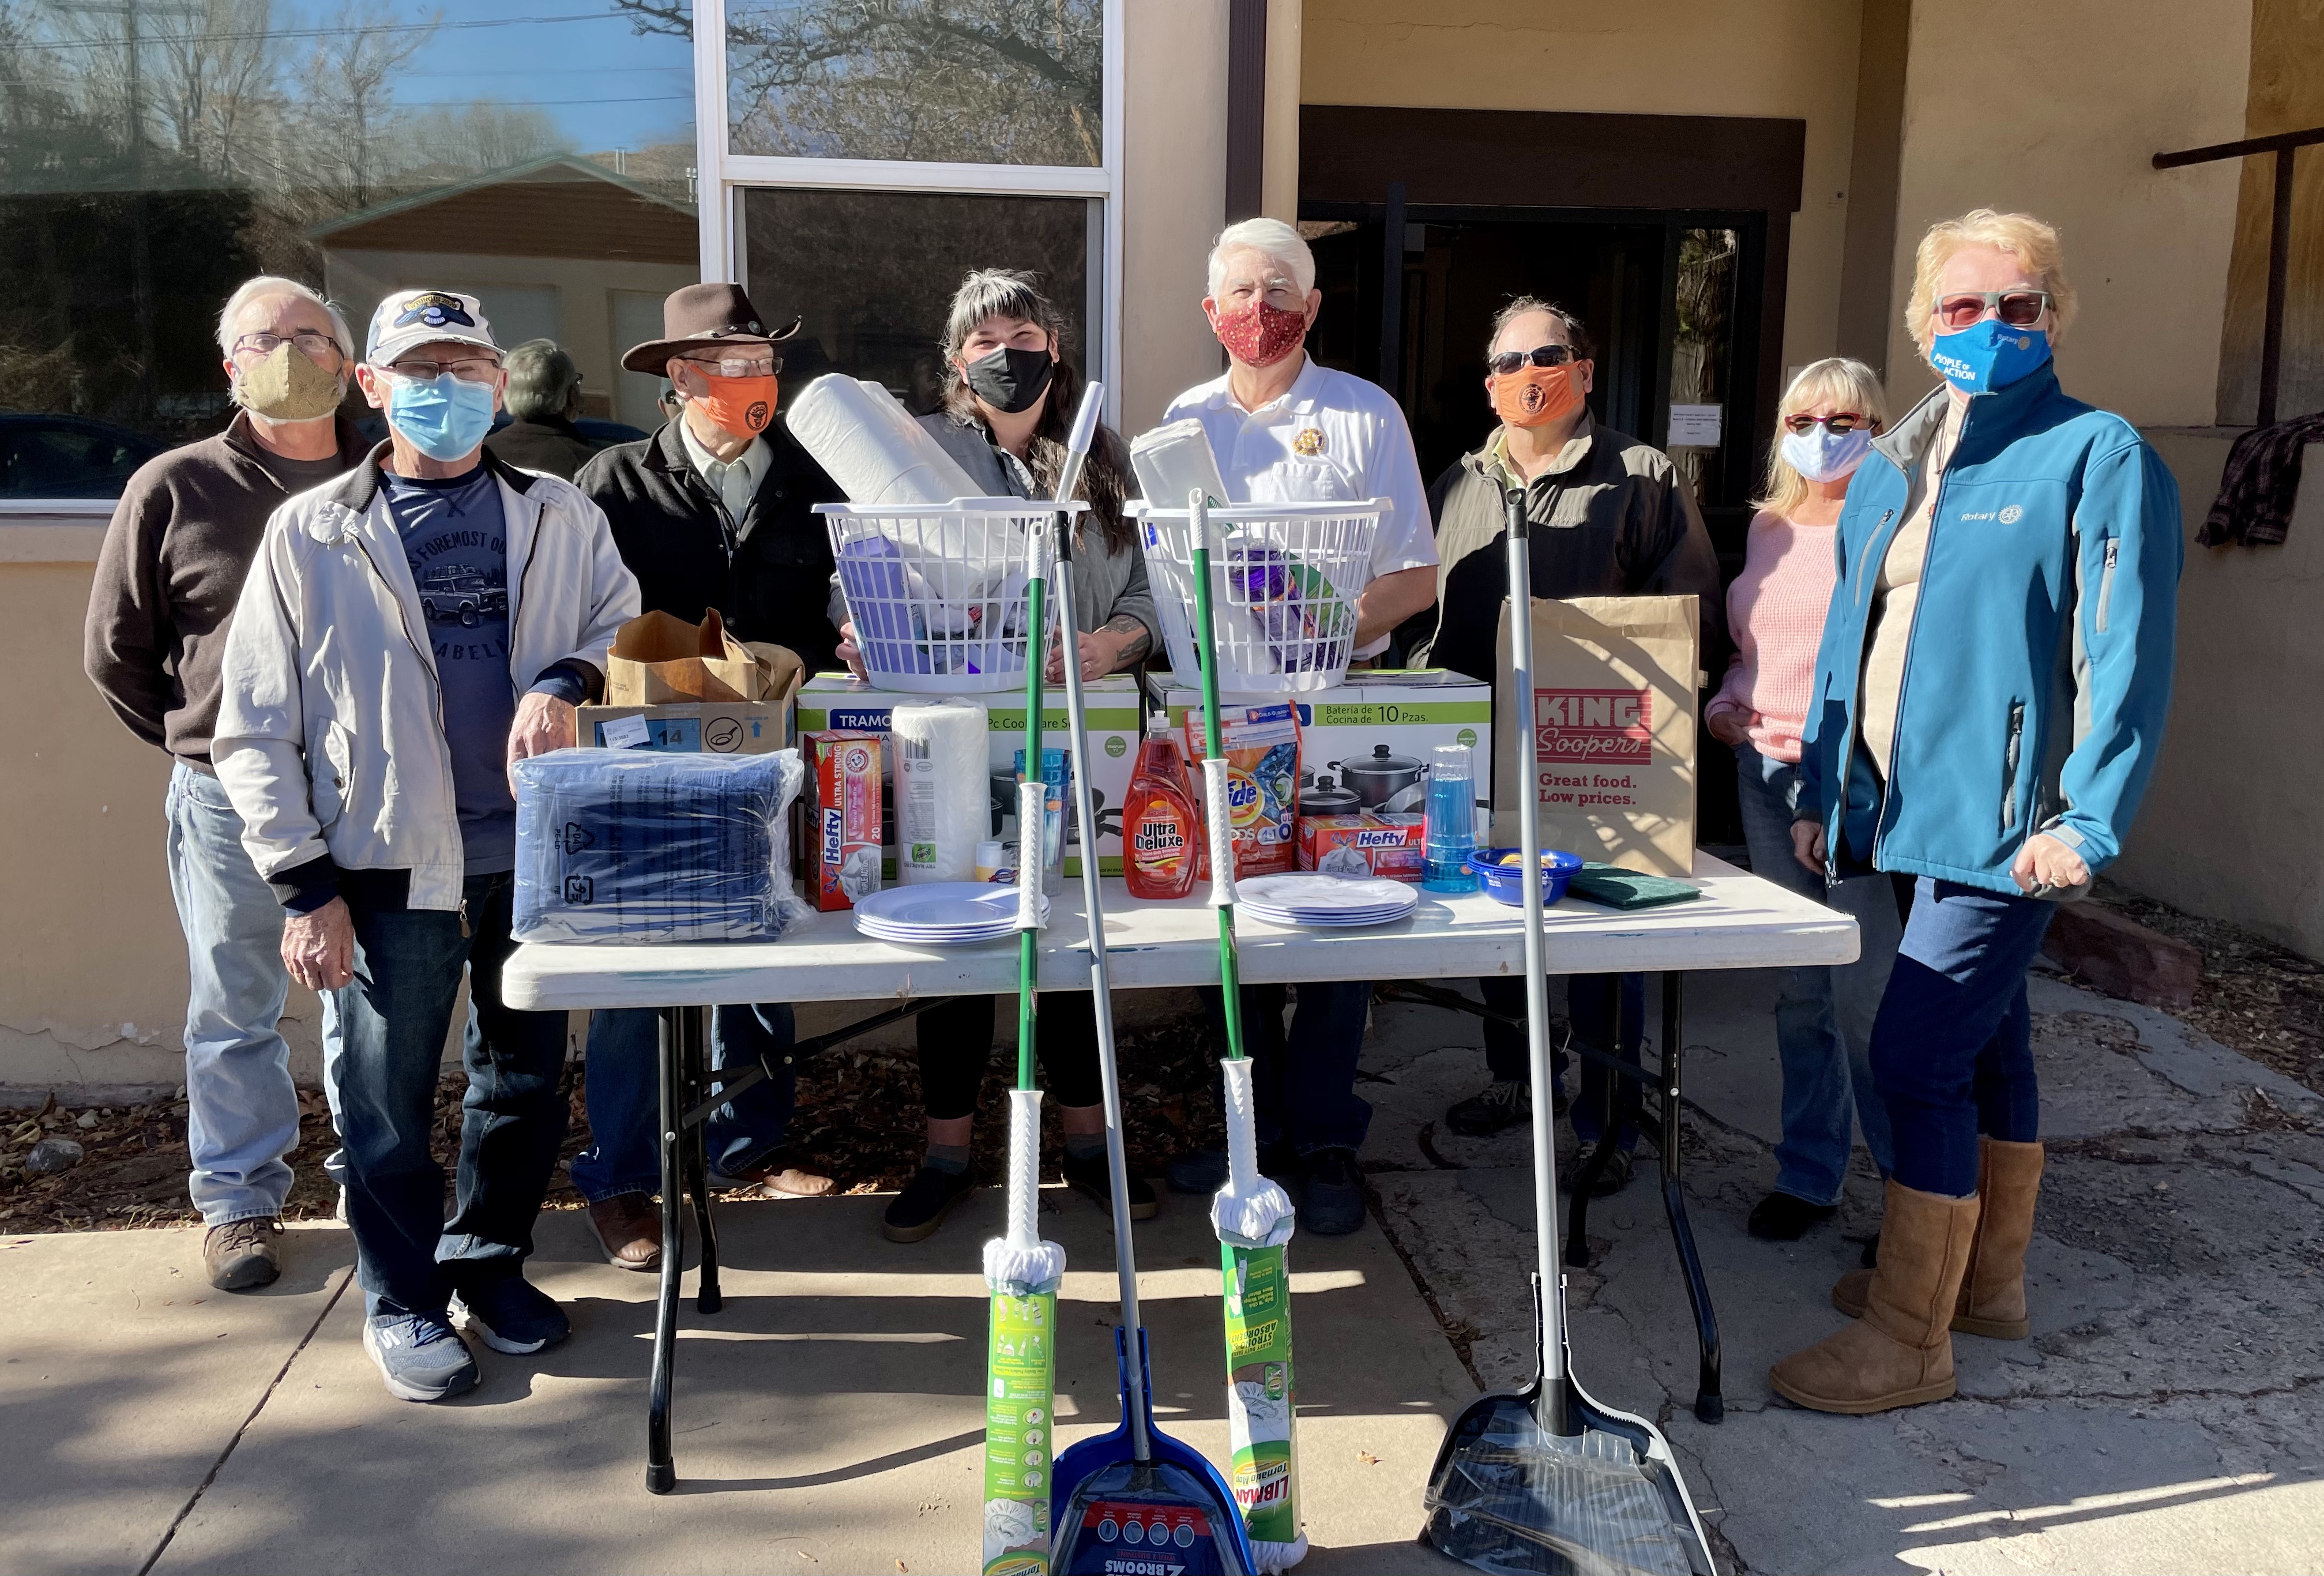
x=1775 y=611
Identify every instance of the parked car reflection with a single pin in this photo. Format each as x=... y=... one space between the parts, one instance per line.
x=68 y=457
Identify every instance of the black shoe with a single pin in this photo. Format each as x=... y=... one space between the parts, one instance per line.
x=1782 y=1217
x=1332 y=1203
x=918 y=1210
x=1500 y=1105
x=1092 y=1177
x=1610 y=1181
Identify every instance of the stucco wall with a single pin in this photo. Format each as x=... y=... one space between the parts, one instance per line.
x=1789 y=58
x=1174 y=199
x=2232 y=827
x=2063 y=122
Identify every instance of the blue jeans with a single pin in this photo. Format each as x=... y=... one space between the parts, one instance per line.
x=1824 y=1016
x=1304 y=1083
x=241 y=1110
x=1952 y=1047
x=622 y=1089
x=392 y=1019
x=1591 y=1002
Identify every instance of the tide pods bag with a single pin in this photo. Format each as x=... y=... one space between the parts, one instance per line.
x=1261 y=746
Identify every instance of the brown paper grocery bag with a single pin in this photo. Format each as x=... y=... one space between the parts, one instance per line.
x=1614 y=709
x=658 y=660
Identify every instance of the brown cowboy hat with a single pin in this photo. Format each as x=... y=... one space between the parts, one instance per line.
x=700 y=314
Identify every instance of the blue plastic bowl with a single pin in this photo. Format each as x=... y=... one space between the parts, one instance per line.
x=1503 y=880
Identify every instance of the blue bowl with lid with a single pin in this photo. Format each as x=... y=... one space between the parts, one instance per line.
x=1505 y=882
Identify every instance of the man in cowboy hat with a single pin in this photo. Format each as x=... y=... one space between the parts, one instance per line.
x=715 y=509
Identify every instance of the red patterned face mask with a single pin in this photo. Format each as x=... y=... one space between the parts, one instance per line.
x=1259 y=334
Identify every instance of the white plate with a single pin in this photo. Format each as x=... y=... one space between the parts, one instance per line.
x=926 y=938
x=1321 y=894
x=1337 y=922
x=945 y=906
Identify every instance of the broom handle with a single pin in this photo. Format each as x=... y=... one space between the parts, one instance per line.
x=1214 y=773
x=1032 y=829
x=1545 y=1132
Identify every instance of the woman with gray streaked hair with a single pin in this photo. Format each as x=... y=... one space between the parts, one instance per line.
x=1009 y=398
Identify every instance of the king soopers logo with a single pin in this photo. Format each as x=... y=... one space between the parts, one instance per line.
x=1595 y=725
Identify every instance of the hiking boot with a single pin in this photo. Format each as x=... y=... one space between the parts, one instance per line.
x=418 y=1355
x=777 y=1174
x=244 y=1255
x=1205 y=1171
x=1332 y=1203
x=1610 y=1181
x=914 y=1214
x=1783 y=1216
x=1500 y=1105
x=511 y=1314
x=1092 y=1177
x=1900 y=1353
x=628 y=1228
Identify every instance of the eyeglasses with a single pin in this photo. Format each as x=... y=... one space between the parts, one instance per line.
x=757 y=366
x=468 y=369
x=313 y=341
x=2020 y=309
x=1838 y=423
x=1505 y=361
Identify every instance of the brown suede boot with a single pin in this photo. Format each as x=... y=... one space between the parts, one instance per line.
x=1993 y=1293
x=1900 y=1353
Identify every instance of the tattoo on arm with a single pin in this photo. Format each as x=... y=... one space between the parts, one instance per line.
x=1137 y=638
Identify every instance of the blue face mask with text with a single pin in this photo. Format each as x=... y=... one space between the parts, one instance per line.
x=445 y=419
x=1988 y=354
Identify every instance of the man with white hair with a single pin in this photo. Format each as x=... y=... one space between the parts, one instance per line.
x=167 y=578
x=1285 y=430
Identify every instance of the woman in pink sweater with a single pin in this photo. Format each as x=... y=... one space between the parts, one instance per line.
x=1775 y=611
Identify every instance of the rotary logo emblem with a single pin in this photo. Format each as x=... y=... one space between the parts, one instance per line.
x=1308 y=442
x=2010 y=514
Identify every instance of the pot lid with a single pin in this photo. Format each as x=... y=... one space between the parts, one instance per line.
x=1380 y=764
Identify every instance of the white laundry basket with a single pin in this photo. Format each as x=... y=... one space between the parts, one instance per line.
x=938 y=592
x=1285 y=581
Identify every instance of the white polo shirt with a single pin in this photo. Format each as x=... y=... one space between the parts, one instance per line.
x=1330 y=438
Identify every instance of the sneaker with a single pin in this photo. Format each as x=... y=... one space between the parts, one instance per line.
x=628 y=1228
x=1332 y=1203
x=511 y=1314
x=419 y=1356
x=1094 y=1178
x=1610 y=1181
x=1782 y=1217
x=242 y=1256
x=778 y=1174
x=914 y=1214
x=1500 y=1105
x=1205 y=1171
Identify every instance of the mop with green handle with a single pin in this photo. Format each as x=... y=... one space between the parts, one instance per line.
x=1251 y=1214
x=1021 y=1271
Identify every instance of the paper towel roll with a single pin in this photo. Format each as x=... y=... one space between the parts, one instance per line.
x=870 y=444
x=942 y=789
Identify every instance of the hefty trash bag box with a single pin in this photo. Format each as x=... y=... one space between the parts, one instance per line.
x=1368 y=844
x=839 y=818
x=637 y=846
x=840 y=701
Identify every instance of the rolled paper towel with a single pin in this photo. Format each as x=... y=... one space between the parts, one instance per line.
x=942 y=789
x=871 y=446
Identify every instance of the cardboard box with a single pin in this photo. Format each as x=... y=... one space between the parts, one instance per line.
x=842 y=701
x=1394 y=846
x=737 y=728
x=840 y=818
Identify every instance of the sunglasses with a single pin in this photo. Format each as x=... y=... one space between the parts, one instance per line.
x=1838 y=424
x=1509 y=361
x=2020 y=309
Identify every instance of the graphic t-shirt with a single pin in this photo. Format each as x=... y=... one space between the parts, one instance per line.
x=457 y=545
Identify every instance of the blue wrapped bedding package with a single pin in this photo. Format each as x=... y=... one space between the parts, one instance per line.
x=636 y=845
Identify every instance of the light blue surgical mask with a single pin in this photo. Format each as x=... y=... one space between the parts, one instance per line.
x=1988 y=354
x=444 y=419
x=1821 y=455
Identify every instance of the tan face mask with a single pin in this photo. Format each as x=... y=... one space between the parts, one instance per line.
x=287 y=385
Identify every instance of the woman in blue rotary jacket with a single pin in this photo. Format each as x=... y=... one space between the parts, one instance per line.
x=1988 y=700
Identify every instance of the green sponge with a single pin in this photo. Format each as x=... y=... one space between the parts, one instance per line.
x=1616 y=888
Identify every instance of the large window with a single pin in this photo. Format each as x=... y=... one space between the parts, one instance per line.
x=155 y=152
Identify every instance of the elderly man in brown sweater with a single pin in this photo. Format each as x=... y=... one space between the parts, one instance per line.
x=173 y=566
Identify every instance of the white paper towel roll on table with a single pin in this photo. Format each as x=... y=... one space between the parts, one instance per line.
x=872 y=447
x=942 y=789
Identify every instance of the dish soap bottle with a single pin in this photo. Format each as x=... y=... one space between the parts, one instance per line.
x=1160 y=835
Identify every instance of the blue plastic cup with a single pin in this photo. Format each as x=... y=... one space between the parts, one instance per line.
x=1451 y=826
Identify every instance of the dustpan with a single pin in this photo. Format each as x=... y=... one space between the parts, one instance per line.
x=1546 y=1479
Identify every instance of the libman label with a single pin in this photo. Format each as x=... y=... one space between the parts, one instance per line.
x=1019 y=1417
x=1264 y=1474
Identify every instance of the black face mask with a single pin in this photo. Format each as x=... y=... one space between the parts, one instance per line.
x=1011 y=380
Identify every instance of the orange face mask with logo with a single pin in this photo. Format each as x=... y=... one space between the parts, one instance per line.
x=1536 y=396
x=742 y=405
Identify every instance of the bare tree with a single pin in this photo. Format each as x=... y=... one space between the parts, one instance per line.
x=214 y=79
x=348 y=87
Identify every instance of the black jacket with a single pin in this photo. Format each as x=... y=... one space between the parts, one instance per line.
x=553 y=445
x=770 y=579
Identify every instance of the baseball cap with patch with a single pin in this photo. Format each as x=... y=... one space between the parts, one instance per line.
x=412 y=318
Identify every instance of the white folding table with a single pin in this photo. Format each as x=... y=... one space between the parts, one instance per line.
x=1739 y=922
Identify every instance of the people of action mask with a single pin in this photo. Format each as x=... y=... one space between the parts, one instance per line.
x=1987 y=355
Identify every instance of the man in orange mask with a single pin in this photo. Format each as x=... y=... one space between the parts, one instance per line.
x=1609 y=516
x=715 y=509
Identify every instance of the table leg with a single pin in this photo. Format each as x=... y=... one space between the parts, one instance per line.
x=706 y=1297
x=1709 y=1406
x=661 y=1470
x=1613 y=1116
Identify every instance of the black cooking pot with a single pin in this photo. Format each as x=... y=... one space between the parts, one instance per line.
x=1320 y=797
x=1384 y=782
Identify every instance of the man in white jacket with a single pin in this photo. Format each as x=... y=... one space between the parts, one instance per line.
x=406 y=634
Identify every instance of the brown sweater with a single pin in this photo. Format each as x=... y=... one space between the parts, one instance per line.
x=168 y=577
